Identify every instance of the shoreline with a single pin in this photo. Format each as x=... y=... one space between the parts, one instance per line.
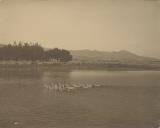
x=77 y=66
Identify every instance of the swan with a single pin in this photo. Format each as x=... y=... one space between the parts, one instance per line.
x=87 y=86
x=69 y=87
x=55 y=87
x=16 y=123
x=76 y=85
x=97 y=85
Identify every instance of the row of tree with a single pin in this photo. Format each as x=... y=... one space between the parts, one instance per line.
x=33 y=52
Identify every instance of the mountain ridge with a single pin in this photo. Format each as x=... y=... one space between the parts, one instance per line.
x=122 y=56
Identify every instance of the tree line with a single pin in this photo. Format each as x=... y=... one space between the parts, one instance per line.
x=33 y=52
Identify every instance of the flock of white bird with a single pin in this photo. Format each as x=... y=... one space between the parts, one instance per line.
x=68 y=87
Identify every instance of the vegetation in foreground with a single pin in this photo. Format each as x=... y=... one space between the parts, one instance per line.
x=32 y=52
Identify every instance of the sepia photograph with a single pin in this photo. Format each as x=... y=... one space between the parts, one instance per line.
x=79 y=63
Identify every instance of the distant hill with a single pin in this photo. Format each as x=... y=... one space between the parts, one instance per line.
x=96 y=56
x=110 y=57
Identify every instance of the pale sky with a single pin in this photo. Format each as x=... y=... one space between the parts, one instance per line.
x=108 y=25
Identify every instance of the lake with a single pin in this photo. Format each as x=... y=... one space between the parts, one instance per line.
x=79 y=99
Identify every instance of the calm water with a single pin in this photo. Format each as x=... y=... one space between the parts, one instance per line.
x=124 y=99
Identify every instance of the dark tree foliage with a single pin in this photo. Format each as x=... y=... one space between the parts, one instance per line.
x=60 y=55
x=32 y=52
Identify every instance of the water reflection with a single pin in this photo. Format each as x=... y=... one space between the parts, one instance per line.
x=125 y=99
x=14 y=74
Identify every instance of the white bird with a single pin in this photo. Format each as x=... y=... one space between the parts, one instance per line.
x=81 y=85
x=87 y=86
x=55 y=87
x=16 y=123
x=76 y=85
x=69 y=87
x=97 y=85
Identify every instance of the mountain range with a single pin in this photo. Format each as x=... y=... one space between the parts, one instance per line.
x=122 y=56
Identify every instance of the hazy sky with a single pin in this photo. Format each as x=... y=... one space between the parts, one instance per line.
x=108 y=25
